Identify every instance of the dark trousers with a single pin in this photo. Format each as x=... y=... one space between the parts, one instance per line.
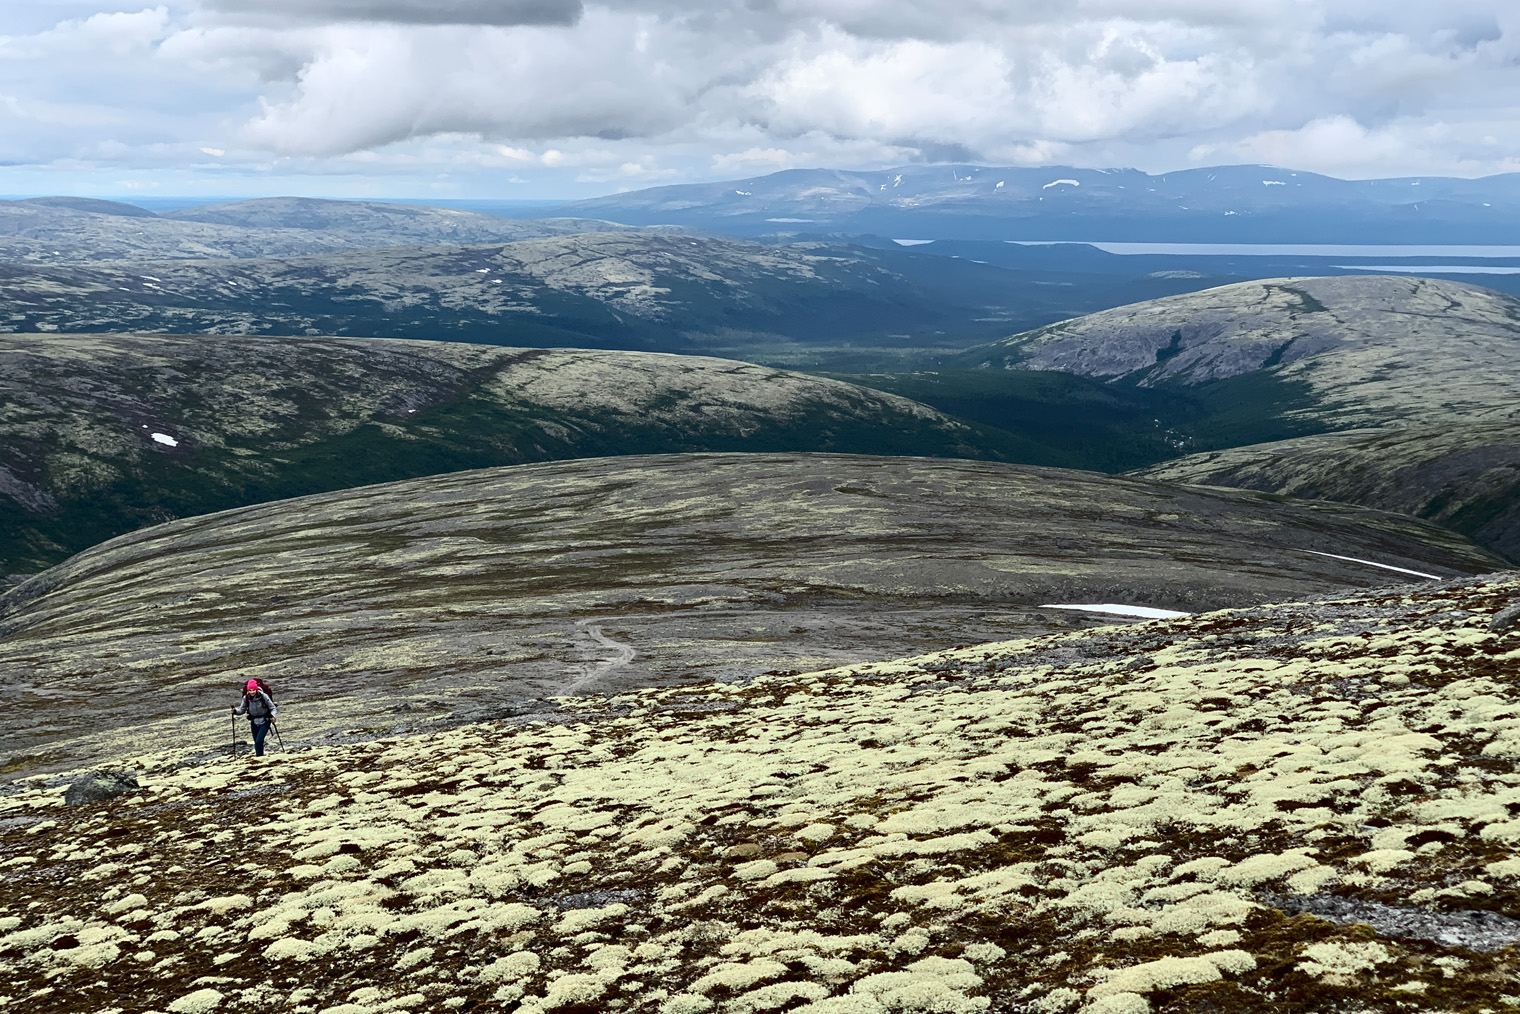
x=260 y=730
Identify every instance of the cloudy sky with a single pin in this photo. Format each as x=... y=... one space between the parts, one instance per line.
x=527 y=99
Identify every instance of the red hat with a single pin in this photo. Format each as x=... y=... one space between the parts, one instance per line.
x=251 y=687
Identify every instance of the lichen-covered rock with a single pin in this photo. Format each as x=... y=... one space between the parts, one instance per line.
x=97 y=786
x=1505 y=618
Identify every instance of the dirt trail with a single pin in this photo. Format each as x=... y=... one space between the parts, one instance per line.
x=594 y=671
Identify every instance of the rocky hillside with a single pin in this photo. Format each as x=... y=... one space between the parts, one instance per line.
x=1418 y=380
x=1316 y=353
x=1295 y=808
x=103 y=434
x=473 y=593
x=1465 y=477
x=72 y=230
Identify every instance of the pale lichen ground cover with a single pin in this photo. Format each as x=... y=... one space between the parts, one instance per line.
x=978 y=829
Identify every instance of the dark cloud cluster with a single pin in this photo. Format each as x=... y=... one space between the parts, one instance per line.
x=406 y=12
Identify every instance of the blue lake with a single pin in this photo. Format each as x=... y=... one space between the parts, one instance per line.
x=1286 y=249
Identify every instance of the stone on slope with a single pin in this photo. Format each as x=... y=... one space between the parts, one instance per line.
x=97 y=786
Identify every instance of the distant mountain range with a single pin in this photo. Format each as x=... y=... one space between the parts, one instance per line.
x=1252 y=203
x=81 y=230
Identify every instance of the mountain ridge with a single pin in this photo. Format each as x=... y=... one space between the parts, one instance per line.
x=1214 y=204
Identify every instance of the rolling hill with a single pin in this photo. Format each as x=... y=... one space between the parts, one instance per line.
x=1394 y=393
x=101 y=434
x=476 y=591
x=1292 y=356
x=1354 y=350
x=633 y=290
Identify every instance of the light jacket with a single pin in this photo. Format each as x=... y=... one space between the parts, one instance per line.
x=259 y=706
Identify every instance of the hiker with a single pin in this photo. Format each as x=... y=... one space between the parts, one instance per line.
x=261 y=712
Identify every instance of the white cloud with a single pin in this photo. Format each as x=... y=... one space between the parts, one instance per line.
x=414 y=12
x=650 y=88
x=371 y=85
x=1339 y=145
x=755 y=160
x=116 y=33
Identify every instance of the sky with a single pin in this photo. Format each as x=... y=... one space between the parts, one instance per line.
x=547 y=99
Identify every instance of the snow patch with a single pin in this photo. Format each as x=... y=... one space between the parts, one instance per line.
x=999 y=185
x=1273 y=183
x=789 y=219
x=1057 y=183
x=912 y=242
x=1372 y=563
x=164 y=438
x=1115 y=609
x=744 y=193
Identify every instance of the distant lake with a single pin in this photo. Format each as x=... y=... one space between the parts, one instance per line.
x=1435 y=269
x=1279 y=249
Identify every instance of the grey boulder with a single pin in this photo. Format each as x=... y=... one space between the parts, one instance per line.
x=99 y=785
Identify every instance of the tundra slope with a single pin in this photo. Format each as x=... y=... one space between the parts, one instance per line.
x=1465 y=477
x=474 y=592
x=103 y=434
x=1295 y=808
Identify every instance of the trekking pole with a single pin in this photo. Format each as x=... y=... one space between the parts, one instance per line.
x=234 y=735
x=277 y=735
